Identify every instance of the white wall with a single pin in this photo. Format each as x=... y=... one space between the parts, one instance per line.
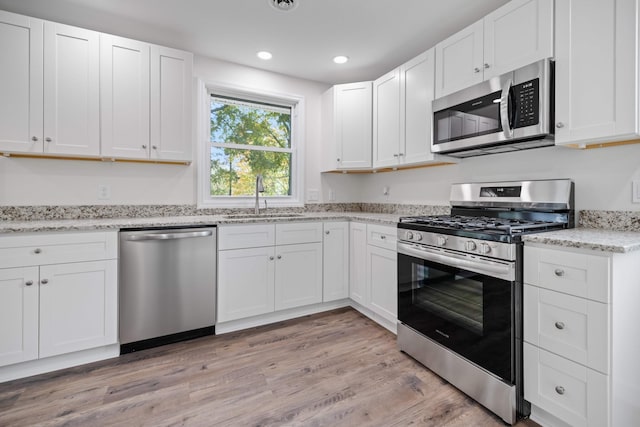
x=602 y=176
x=75 y=182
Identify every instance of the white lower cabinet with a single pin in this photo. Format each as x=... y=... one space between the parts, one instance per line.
x=49 y=307
x=580 y=332
x=335 y=261
x=374 y=272
x=272 y=267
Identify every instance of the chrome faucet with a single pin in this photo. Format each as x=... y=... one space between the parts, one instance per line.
x=259 y=189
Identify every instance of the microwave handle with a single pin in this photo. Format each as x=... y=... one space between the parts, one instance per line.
x=504 y=109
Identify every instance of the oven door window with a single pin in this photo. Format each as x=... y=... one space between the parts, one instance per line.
x=467 y=312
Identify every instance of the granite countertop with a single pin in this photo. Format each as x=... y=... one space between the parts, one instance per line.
x=181 y=221
x=589 y=238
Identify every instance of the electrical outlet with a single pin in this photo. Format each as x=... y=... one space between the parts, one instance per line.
x=635 y=191
x=104 y=192
x=332 y=196
x=313 y=195
x=385 y=190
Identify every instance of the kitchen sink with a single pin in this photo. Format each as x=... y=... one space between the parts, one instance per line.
x=266 y=216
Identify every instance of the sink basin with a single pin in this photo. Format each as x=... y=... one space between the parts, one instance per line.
x=265 y=216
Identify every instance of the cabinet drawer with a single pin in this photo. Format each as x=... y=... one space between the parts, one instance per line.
x=298 y=232
x=567 y=390
x=246 y=236
x=382 y=236
x=572 y=327
x=42 y=249
x=582 y=275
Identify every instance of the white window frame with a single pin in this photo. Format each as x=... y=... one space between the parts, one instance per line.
x=203 y=110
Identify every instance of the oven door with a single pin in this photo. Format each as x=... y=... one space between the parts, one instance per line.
x=457 y=301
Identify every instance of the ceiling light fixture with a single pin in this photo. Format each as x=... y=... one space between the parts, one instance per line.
x=340 y=59
x=283 y=5
x=263 y=54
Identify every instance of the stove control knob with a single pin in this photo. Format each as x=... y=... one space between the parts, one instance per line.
x=441 y=240
x=417 y=237
x=470 y=245
x=485 y=248
x=409 y=235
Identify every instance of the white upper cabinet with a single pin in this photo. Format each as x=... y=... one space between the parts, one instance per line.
x=346 y=121
x=21 y=83
x=124 y=97
x=515 y=35
x=49 y=86
x=71 y=90
x=596 y=71
x=402 y=113
x=171 y=83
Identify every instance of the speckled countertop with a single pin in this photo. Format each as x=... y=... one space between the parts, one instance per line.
x=589 y=238
x=181 y=221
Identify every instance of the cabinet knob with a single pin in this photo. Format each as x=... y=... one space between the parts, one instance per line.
x=400 y=154
x=144 y=146
x=558 y=272
x=338 y=159
x=559 y=389
x=476 y=70
x=37 y=251
x=486 y=65
x=47 y=139
x=395 y=155
x=279 y=256
x=383 y=237
x=29 y=282
x=34 y=138
x=327 y=232
x=44 y=281
x=155 y=147
x=271 y=258
x=559 y=125
x=560 y=325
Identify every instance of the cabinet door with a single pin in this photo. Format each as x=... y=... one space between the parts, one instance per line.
x=382 y=277
x=298 y=275
x=596 y=80
x=459 y=60
x=21 y=50
x=245 y=283
x=124 y=97
x=517 y=34
x=416 y=83
x=18 y=315
x=358 y=262
x=386 y=119
x=78 y=306
x=171 y=88
x=335 y=277
x=353 y=125
x=71 y=90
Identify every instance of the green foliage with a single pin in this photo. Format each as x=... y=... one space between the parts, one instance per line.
x=233 y=170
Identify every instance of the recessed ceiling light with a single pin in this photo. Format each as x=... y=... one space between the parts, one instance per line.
x=263 y=54
x=283 y=5
x=340 y=59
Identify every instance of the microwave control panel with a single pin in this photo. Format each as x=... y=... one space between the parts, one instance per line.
x=527 y=101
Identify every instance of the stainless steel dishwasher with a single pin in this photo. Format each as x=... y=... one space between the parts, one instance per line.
x=167 y=286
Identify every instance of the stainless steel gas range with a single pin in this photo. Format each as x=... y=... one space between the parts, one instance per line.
x=460 y=285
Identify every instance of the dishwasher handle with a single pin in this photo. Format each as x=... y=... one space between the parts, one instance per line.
x=169 y=236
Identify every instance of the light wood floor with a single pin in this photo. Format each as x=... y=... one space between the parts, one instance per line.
x=331 y=369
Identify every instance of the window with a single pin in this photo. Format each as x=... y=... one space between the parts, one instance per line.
x=250 y=134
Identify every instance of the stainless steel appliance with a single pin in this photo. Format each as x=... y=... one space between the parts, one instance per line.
x=460 y=285
x=167 y=287
x=510 y=112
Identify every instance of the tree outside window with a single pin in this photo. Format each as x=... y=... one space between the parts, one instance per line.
x=249 y=138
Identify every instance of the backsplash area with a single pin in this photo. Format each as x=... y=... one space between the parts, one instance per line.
x=608 y=220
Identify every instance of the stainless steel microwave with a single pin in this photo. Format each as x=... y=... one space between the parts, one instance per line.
x=510 y=112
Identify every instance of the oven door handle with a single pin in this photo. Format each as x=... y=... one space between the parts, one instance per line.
x=501 y=270
x=504 y=109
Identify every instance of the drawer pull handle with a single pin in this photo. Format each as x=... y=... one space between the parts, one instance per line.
x=37 y=251
x=270 y=258
x=327 y=232
x=559 y=272
x=560 y=325
x=279 y=256
x=44 y=281
x=29 y=282
x=559 y=389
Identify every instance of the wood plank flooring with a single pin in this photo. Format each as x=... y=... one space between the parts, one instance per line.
x=331 y=369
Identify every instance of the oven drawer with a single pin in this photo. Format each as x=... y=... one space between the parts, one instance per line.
x=382 y=236
x=569 y=391
x=578 y=274
x=572 y=327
